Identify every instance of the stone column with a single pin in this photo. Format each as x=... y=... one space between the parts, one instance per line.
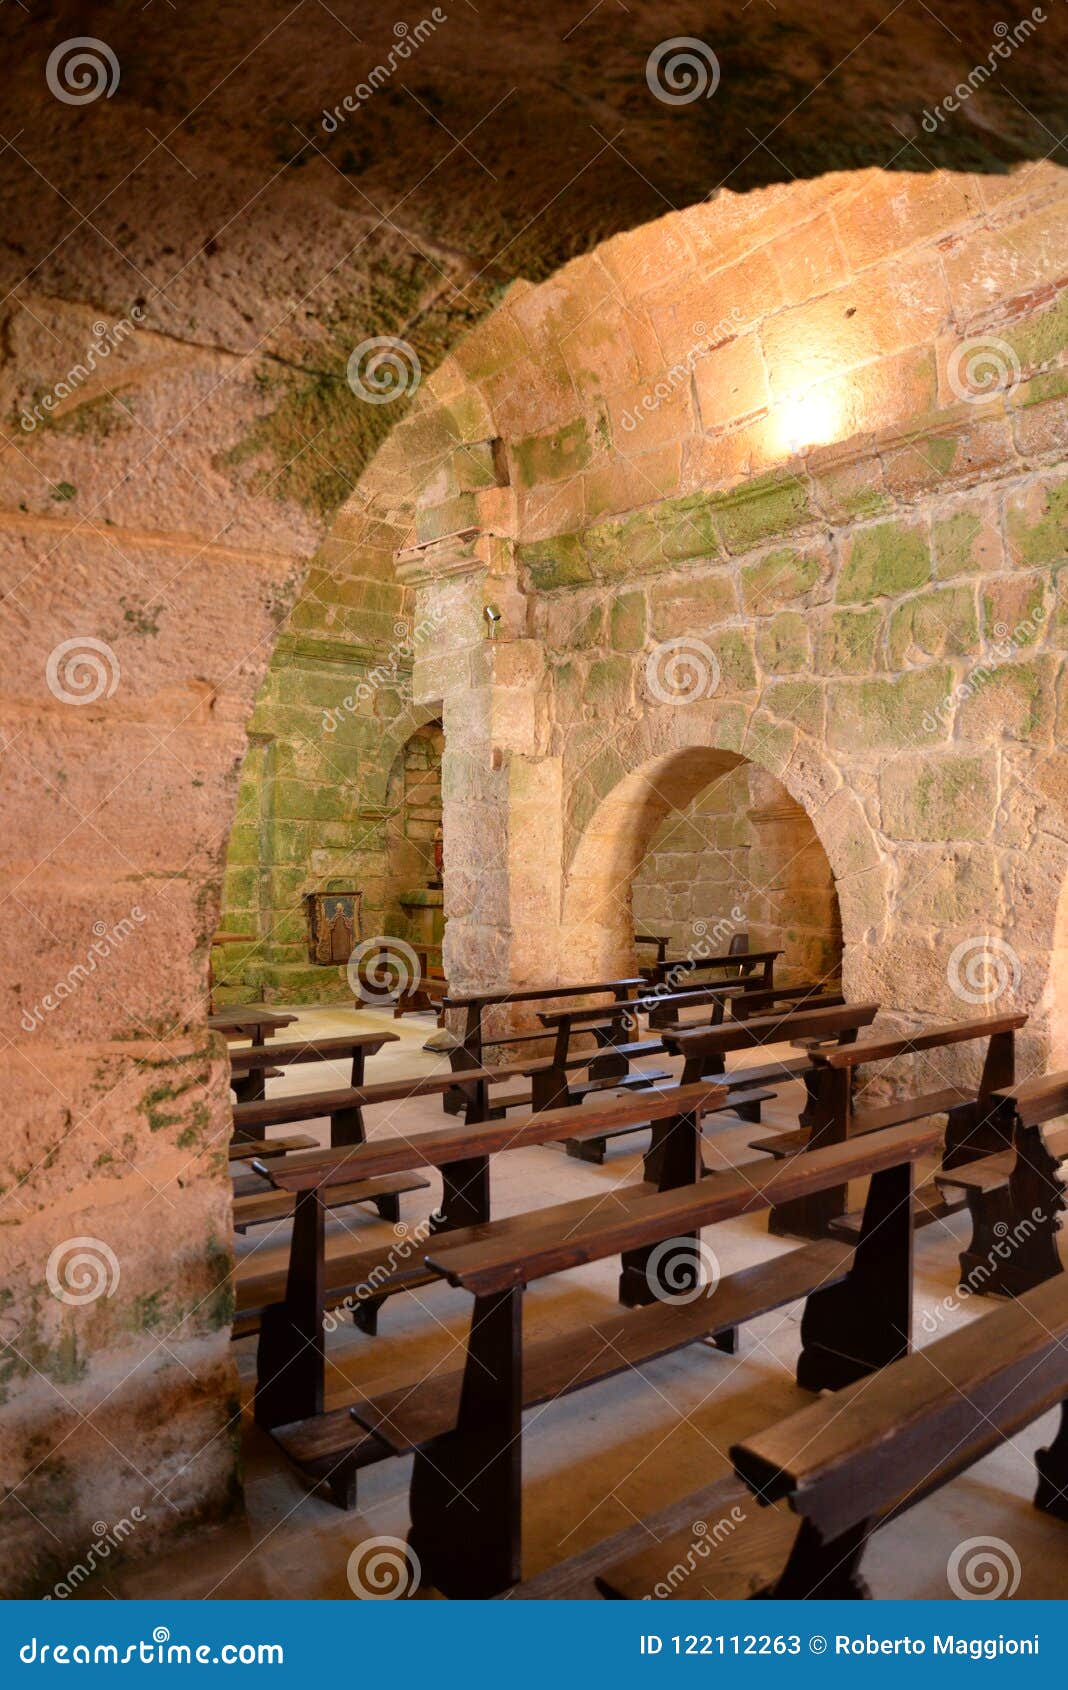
x=501 y=791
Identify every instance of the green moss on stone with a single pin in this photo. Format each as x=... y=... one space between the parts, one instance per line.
x=884 y=560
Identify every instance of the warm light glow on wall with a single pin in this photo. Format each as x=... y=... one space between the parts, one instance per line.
x=813 y=418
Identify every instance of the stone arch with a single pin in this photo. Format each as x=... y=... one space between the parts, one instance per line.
x=608 y=842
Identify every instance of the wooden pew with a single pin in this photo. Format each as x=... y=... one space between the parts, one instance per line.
x=614 y=1027
x=248 y=1067
x=848 y=1464
x=244 y=1149
x=245 y=1021
x=473 y=1043
x=345 y=1105
x=971 y=1129
x=466 y=1427
x=756 y=966
x=291 y=1358
x=661 y=941
x=265 y=1207
x=1015 y=1195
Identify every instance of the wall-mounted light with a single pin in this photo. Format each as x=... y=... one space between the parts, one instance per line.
x=493 y=617
x=813 y=418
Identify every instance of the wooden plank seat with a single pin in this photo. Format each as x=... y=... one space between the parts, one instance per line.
x=249 y=1021
x=466 y=1492
x=251 y=1066
x=871 y=1120
x=243 y=1150
x=345 y=1105
x=291 y=1358
x=847 y=1465
x=1015 y=1196
x=263 y=1206
x=974 y=1124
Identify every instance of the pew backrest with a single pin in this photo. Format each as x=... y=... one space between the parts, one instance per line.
x=1034 y=1102
x=838 y=1022
x=933 y=1038
x=621 y=1223
x=307 y=1050
x=444 y=1146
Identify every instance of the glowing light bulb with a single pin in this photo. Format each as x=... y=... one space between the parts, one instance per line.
x=808 y=419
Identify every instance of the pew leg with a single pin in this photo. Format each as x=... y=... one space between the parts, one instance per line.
x=341 y=1484
x=727 y=1341
x=466 y=1495
x=346 y=1127
x=365 y=1315
x=465 y=1194
x=1052 y=1464
x=586 y=1149
x=291 y=1355
x=818 y=1571
x=864 y=1323
x=389 y=1208
x=660 y=1272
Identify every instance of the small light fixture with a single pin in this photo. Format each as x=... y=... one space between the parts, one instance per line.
x=493 y=616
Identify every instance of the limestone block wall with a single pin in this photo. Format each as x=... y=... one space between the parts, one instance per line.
x=743 y=846
x=797 y=499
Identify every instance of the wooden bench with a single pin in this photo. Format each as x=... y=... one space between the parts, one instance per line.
x=345 y=1105
x=409 y=995
x=250 y=1067
x=661 y=942
x=264 y=1207
x=474 y=1041
x=465 y=1428
x=972 y=1118
x=758 y=967
x=244 y=1149
x=291 y=1359
x=847 y=1465
x=246 y=1021
x=1015 y=1196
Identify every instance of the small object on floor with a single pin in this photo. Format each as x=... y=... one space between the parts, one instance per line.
x=442 y=1040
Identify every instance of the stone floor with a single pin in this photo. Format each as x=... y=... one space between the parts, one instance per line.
x=595 y=1461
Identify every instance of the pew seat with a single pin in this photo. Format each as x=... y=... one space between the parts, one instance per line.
x=262 y=1206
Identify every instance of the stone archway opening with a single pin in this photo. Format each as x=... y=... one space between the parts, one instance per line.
x=700 y=846
x=742 y=859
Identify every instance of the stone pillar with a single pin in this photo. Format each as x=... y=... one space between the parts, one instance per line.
x=792 y=900
x=501 y=791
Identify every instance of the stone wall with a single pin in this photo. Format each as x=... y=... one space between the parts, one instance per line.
x=743 y=846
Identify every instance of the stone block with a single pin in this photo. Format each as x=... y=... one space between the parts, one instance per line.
x=938 y=795
x=784 y=578
x=783 y=644
x=849 y=642
x=942 y=622
x=879 y=715
x=885 y=559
